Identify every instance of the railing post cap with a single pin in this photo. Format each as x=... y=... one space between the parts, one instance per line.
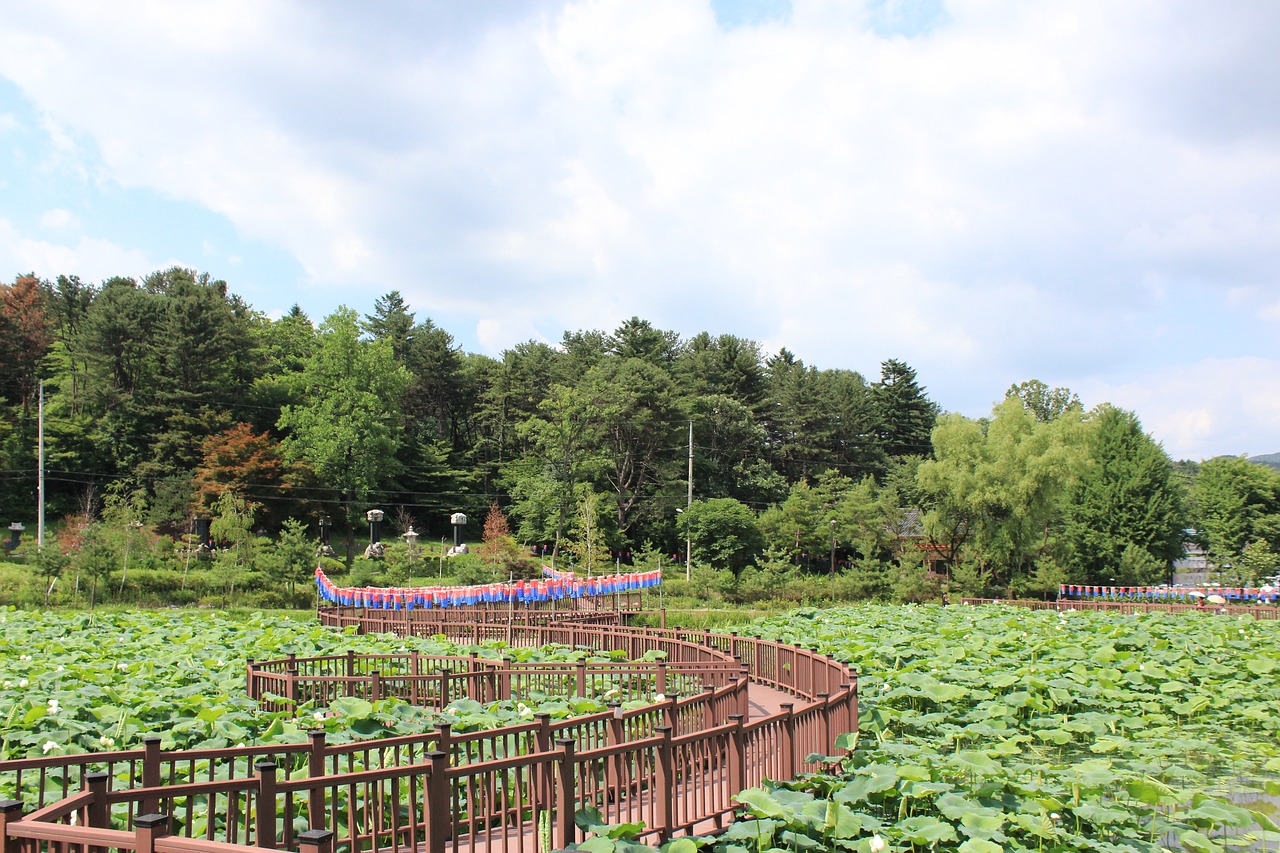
x=437 y=754
x=154 y=739
x=317 y=734
x=542 y=716
x=97 y=776
x=315 y=836
x=736 y=717
x=8 y=807
x=265 y=767
x=150 y=821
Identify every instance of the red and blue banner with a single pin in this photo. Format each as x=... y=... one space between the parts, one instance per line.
x=1240 y=594
x=552 y=587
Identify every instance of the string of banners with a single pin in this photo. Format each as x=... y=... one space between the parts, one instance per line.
x=553 y=586
x=1237 y=593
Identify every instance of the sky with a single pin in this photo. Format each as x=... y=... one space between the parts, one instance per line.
x=1083 y=193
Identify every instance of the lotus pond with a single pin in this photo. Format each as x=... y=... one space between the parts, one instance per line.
x=1001 y=728
x=84 y=682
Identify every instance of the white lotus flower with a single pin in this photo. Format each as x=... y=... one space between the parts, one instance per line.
x=60 y=669
x=23 y=682
x=49 y=746
x=25 y=657
x=8 y=684
x=123 y=667
x=319 y=715
x=661 y=697
x=524 y=710
x=107 y=741
x=54 y=706
x=876 y=844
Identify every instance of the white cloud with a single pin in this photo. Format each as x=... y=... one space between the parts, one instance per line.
x=57 y=217
x=1210 y=408
x=92 y=259
x=1081 y=190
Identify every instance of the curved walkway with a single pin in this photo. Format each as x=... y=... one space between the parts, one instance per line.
x=735 y=711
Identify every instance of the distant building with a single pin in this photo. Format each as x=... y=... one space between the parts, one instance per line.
x=1192 y=568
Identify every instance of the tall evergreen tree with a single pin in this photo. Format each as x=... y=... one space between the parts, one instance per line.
x=1126 y=498
x=907 y=416
x=391 y=321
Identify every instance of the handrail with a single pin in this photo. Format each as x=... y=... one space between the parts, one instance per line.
x=446 y=792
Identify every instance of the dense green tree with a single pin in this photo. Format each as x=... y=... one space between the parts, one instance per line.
x=906 y=415
x=348 y=428
x=724 y=533
x=640 y=415
x=729 y=457
x=1125 y=497
x=637 y=338
x=723 y=366
x=1044 y=402
x=1233 y=503
x=993 y=488
x=391 y=321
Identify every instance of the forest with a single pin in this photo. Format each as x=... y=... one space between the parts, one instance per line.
x=169 y=398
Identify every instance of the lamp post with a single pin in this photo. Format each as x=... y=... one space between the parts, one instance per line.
x=375 y=549
x=832 y=524
x=410 y=541
x=130 y=529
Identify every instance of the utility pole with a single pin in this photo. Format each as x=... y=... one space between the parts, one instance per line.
x=40 y=472
x=688 y=541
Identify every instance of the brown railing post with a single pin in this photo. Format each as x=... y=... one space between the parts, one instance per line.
x=567 y=805
x=291 y=686
x=439 y=812
x=504 y=678
x=250 y=685
x=737 y=754
x=444 y=738
x=581 y=677
x=315 y=841
x=351 y=663
x=670 y=714
x=315 y=769
x=825 y=711
x=10 y=812
x=375 y=686
x=265 y=831
x=613 y=766
x=788 y=739
x=665 y=790
x=661 y=685
x=98 y=812
x=150 y=773
x=146 y=829
x=709 y=720
x=444 y=688
x=416 y=676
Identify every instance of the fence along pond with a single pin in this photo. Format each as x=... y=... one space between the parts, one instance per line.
x=674 y=765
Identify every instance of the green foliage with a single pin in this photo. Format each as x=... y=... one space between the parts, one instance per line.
x=347 y=429
x=994 y=488
x=999 y=728
x=724 y=532
x=1123 y=516
x=102 y=682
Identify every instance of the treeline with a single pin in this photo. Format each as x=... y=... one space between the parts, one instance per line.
x=173 y=397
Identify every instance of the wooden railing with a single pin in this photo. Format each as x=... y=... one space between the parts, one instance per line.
x=1257 y=611
x=674 y=764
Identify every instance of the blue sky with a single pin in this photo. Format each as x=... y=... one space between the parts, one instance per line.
x=1087 y=194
